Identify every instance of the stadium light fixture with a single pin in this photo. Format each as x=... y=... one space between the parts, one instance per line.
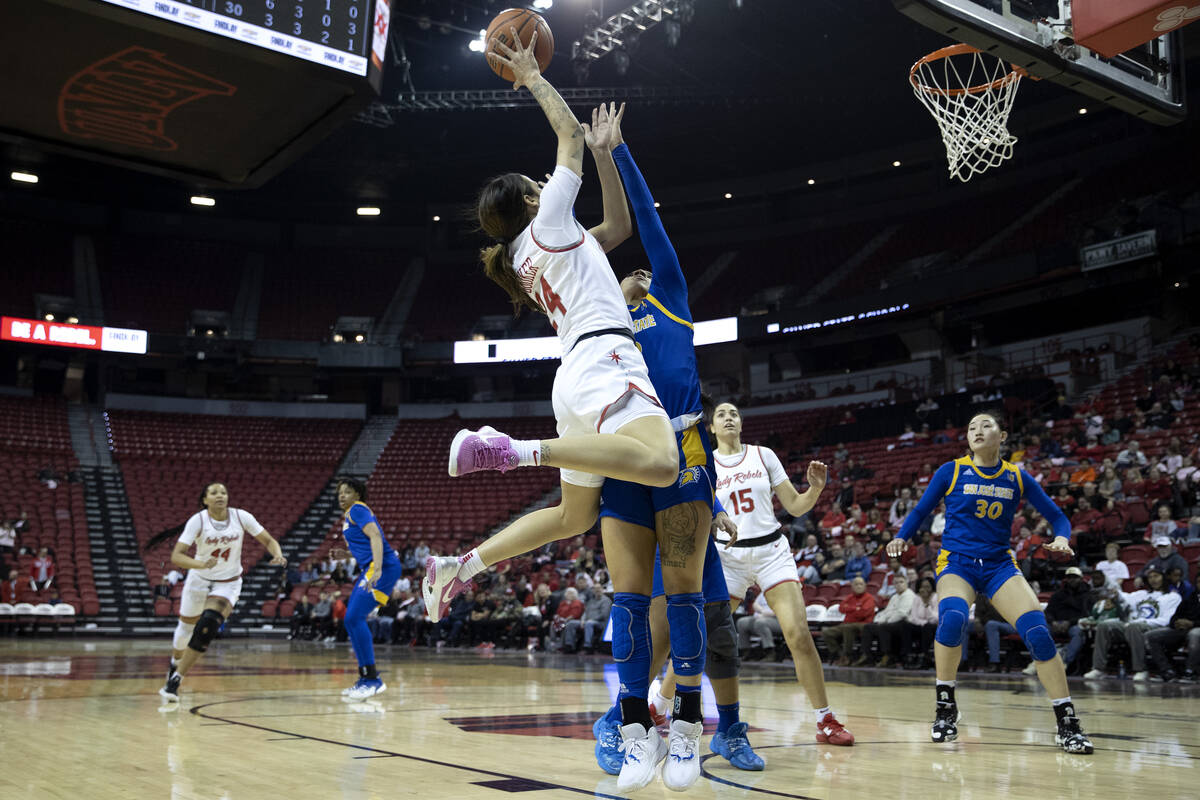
x=437 y=218
x=1082 y=111
x=367 y=211
x=657 y=204
x=202 y=200
x=23 y=177
x=49 y=318
x=728 y=196
x=72 y=320
x=895 y=163
x=338 y=338
x=811 y=181
x=358 y=337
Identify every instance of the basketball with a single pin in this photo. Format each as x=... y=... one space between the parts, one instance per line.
x=526 y=22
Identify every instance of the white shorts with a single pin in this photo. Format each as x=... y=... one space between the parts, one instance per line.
x=601 y=386
x=197 y=590
x=767 y=565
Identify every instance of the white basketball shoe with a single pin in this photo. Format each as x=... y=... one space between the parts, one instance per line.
x=441 y=585
x=644 y=751
x=683 y=755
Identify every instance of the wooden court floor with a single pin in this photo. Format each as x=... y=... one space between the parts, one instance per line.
x=80 y=719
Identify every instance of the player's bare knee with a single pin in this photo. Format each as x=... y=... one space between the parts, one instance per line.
x=574 y=520
x=663 y=468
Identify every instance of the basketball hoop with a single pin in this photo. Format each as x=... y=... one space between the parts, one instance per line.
x=970 y=93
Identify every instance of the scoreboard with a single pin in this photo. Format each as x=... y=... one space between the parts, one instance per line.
x=336 y=33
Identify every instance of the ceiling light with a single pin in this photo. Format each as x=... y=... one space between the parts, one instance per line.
x=542 y=5
x=437 y=218
x=728 y=196
x=657 y=204
x=75 y=320
x=367 y=211
x=201 y=200
x=49 y=318
x=1082 y=111
x=811 y=181
x=477 y=45
x=358 y=337
x=337 y=337
x=895 y=163
x=23 y=177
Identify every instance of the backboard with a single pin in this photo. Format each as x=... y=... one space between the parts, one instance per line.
x=1039 y=36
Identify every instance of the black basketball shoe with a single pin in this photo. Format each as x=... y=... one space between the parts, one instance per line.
x=945 y=724
x=1071 y=738
x=170 y=692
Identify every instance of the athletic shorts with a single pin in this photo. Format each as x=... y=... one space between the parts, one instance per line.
x=714 y=578
x=766 y=565
x=984 y=575
x=636 y=504
x=197 y=590
x=601 y=386
x=392 y=570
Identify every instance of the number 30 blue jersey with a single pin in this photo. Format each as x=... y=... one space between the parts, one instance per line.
x=980 y=505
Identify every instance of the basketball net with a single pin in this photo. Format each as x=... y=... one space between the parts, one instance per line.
x=970 y=93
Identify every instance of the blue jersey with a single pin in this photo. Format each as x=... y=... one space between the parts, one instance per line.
x=662 y=323
x=980 y=505
x=357 y=517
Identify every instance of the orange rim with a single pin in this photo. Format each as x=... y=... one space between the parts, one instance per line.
x=961 y=50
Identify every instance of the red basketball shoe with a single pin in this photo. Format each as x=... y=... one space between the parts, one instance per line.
x=830 y=731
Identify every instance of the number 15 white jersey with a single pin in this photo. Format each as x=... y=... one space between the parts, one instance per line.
x=564 y=269
x=222 y=539
x=745 y=484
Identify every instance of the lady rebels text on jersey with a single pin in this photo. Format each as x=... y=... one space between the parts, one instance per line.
x=564 y=269
x=746 y=487
x=222 y=539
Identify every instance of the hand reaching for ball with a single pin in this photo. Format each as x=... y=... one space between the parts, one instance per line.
x=604 y=134
x=521 y=60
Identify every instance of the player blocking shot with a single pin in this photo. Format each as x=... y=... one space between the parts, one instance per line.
x=982 y=492
x=214 y=579
x=379 y=570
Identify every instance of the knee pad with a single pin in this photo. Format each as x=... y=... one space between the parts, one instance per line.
x=207 y=627
x=722 y=656
x=631 y=625
x=953 y=617
x=685 y=615
x=183 y=634
x=1035 y=633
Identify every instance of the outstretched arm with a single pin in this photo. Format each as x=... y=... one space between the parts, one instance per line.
x=525 y=69
x=603 y=135
x=664 y=263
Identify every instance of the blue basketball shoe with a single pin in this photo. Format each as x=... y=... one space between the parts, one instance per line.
x=607 y=731
x=735 y=748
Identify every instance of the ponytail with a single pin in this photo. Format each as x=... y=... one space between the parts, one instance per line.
x=171 y=533
x=497 y=266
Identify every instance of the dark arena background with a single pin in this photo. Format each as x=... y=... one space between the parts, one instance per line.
x=239 y=246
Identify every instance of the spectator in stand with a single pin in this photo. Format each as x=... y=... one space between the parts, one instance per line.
x=408 y=559
x=1164 y=526
x=1088 y=539
x=1134 y=486
x=1184 y=628
x=1172 y=460
x=924 y=475
x=1177 y=583
x=762 y=623
x=900 y=507
x=810 y=549
x=1110 y=487
x=1064 y=500
x=1066 y=607
x=1165 y=560
x=925 y=406
x=380 y=625
x=888 y=586
x=840 y=453
x=302 y=617
x=856 y=472
x=859 y=610
x=1147 y=609
x=1158 y=488
x=891 y=621
x=859 y=564
x=1093 y=450
x=571 y=608
x=908 y=438
x=947 y=434
x=1083 y=473
x=479 y=620
x=163 y=589
x=338 y=618
x=322 y=615
x=1158 y=418
x=450 y=627
x=412 y=623
x=1115 y=570
x=1109 y=435
x=923 y=555
x=43 y=570
x=8 y=540
x=596 y=609
x=1062 y=409
x=833 y=521
x=1131 y=456
x=923 y=436
x=874 y=525
x=921 y=626
x=834 y=567
x=421 y=552
x=10 y=590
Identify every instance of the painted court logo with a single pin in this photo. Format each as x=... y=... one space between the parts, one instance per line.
x=126 y=98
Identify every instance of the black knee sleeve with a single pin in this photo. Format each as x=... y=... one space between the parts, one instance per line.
x=722 y=661
x=206 y=630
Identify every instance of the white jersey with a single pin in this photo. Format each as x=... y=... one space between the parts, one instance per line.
x=220 y=538
x=745 y=487
x=564 y=269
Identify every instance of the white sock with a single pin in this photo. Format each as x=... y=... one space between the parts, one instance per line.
x=183 y=634
x=821 y=712
x=661 y=704
x=470 y=565
x=529 y=452
x=951 y=684
x=1061 y=701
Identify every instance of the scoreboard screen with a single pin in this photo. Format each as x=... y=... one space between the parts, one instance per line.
x=336 y=33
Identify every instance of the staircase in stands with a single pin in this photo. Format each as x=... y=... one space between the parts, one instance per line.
x=125 y=598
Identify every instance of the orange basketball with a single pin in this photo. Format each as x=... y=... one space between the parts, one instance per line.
x=526 y=22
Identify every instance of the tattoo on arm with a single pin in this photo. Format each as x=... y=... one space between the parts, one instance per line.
x=677 y=541
x=557 y=111
x=545 y=457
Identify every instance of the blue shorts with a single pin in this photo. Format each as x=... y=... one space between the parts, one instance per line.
x=636 y=504
x=714 y=588
x=392 y=570
x=984 y=575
